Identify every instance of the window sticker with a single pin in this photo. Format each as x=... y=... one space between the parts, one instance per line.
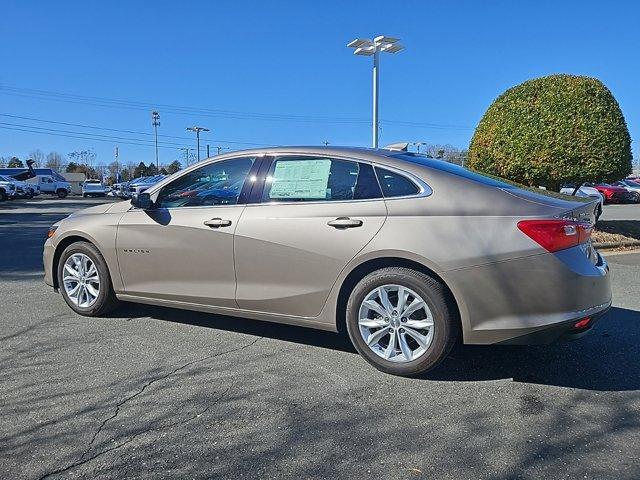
x=301 y=179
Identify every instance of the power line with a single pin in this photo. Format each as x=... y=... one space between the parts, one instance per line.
x=133 y=105
x=83 y=137
x=93 y=127
x=98 y=135
x=207 y=112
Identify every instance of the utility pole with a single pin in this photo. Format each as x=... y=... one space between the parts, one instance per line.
x=186 y=152
x=326 y=143
x=198 y=130
x=208 y=151
x=222 y=148
x=155 y=121
x=117 y=167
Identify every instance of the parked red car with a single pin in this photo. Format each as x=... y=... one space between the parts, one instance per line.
x=613 y=194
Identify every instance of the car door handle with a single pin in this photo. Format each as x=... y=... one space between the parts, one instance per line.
x=345 y=222
x=217 y=223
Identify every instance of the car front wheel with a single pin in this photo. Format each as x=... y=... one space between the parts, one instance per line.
x=62 y=193
x=402 y=321
x=83 y=278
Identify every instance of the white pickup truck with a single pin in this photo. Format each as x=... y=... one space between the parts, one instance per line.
x=93 y=188
x=51 y=185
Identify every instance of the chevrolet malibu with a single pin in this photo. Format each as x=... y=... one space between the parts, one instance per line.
x=378 y=243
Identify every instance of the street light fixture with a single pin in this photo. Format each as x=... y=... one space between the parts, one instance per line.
x=198 y=130
x=367 y=47
x=418 y=145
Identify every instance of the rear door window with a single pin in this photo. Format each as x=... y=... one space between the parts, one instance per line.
x=314 y=179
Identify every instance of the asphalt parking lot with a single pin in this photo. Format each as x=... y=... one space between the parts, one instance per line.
x=161 y=393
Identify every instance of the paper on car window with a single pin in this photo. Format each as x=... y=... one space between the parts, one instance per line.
x=300 y=179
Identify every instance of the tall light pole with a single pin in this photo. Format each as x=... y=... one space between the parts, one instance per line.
x=155 y=121
x=368 y=48
x=198 y=130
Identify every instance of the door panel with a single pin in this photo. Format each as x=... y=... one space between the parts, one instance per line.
x=287 y=257
x=171 y=254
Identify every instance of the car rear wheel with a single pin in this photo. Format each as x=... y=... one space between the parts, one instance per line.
x=401 y=321
x=83 y=278
x=62 y=193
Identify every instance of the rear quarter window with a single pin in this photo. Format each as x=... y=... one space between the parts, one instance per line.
x=394 y=184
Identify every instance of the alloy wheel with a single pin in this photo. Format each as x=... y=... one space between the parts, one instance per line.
x=396 y=323
x=81 y=280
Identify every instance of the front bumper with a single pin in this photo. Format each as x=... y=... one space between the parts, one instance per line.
x=47 y=259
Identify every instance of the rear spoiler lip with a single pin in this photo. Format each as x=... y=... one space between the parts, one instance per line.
x=584 y=212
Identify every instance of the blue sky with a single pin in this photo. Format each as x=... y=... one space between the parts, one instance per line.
x=279 y=72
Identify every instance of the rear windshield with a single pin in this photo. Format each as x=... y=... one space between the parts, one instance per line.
x=483 y=178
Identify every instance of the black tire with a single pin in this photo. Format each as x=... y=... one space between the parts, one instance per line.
x=3 y=195
x=445 y=316
x=84 y=195
x=106 y=301
x=62 y=193
x=29 y=194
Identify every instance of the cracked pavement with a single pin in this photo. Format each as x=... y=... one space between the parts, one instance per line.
x=162 y=393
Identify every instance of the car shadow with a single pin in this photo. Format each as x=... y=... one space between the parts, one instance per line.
x=277 y=331
x=628 y=228
x=604 y=360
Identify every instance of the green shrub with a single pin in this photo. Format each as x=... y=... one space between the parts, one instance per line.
x=552 y=130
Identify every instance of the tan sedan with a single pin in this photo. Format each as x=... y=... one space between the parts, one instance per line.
x=405 y=253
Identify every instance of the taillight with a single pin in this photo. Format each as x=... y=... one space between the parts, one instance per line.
x=554 y=235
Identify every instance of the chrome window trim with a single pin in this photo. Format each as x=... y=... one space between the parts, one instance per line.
x=425 y=189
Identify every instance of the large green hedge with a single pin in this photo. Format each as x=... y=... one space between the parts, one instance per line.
x=551 y=130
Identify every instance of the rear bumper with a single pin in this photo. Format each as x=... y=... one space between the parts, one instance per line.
x=534 y=299
x=565 y=331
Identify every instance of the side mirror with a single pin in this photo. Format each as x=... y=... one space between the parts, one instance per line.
x=143 y=201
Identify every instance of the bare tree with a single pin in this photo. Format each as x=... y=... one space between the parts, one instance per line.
x=37 y=156
x=448 y=153
x=54 y=160
x=83 y=157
